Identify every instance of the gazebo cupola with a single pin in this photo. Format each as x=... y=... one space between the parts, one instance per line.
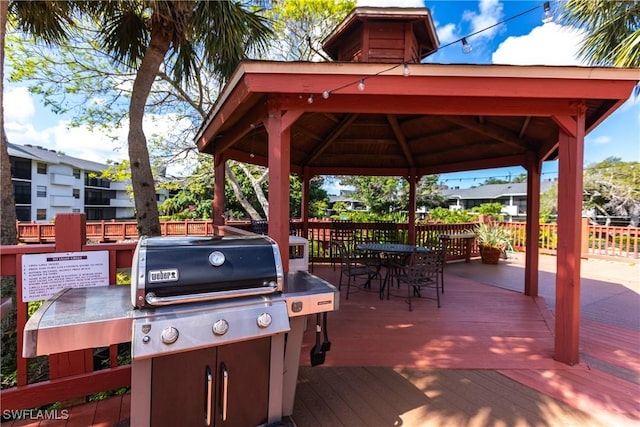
x=388 y=35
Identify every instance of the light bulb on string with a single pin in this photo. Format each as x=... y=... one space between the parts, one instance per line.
x=405 y=70
x=310 y=99
x=361 y=85
x=548 y=15
x=466 y=47
x=326 y=94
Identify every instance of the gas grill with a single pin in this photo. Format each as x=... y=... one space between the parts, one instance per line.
x=207 y=318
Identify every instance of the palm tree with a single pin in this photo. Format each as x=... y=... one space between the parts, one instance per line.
x=48 y=21
x=612 y=30
x=215 y=34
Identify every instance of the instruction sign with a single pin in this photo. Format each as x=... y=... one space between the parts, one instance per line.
x=43 y=275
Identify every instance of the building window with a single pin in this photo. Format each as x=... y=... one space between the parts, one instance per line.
x=76 y=173
x=98 y=197
x=22 y=193
x=20 y=168
x=23 y=213
x=96 y=182
x=76 y=193
x=75 y=210
x=42 y=168
x=41 y=214
x=41 y=191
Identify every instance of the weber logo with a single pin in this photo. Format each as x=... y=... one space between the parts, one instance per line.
x=170 y=275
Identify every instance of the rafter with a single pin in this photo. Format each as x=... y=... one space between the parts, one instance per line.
x=402 y=141
x=335 y=133
x=494 y=132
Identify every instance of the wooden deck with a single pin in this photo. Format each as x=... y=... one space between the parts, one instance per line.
x=485 y=358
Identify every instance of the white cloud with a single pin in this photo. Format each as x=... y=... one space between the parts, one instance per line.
x=601 y=140
x=490 y=14
x=548 y=44
x=18 y=104
x=446 y=34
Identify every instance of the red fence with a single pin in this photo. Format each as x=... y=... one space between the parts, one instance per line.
x=602 y=242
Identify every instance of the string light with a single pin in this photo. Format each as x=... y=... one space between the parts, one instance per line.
x=361 y=85
x=466 y=47
x=326 y=94
x=310 y=99
x=548 y=16
x=405 y=70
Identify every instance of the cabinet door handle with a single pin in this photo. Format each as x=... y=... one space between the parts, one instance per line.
x=209 y=386
x=225 y=389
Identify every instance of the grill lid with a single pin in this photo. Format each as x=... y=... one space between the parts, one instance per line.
x=171 y=270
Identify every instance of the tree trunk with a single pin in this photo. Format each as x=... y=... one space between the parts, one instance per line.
x=8 y=232
x=144 y=192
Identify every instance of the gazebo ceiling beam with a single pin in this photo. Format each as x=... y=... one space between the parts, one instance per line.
x=402 y=141
x=494 y=132
x=335 y=133
x=523 y=128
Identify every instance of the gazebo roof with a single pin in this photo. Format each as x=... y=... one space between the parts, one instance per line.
x=429 y=118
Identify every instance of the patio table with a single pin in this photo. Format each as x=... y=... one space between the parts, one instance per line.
x=397 y=255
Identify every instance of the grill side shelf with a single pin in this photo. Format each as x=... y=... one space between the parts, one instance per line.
x=307 y=294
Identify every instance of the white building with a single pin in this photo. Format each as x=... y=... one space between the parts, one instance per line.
x=46 y=183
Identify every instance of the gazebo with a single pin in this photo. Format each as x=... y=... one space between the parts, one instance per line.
x=376 y=110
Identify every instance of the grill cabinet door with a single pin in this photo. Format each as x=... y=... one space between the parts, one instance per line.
x=247 y=395
x=188 y=388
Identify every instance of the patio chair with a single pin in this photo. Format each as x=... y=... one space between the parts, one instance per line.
x=439 y=247
x=420 y=272
x=353 y=266
x=260 y=226
x=341 y=231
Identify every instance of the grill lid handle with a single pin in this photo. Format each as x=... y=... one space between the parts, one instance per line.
x=152 y=299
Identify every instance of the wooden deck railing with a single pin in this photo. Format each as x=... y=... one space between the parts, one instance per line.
x=603 y=242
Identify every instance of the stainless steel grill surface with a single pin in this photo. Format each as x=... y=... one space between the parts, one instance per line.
x=172 y=270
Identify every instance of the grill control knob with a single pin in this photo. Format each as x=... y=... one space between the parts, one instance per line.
x=220 y=327
x=264 y=320
x=169 y=335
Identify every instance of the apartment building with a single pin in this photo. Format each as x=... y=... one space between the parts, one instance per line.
x=46 y=183
x=513 y=196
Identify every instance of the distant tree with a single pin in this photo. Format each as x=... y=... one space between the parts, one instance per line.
x=387 y=194
x=520 y=178
x=549 y=203
x=491 y=181
x=612 y=188
x=612 y=29
x=301 y=25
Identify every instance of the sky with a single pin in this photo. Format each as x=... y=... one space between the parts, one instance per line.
x=521 y=40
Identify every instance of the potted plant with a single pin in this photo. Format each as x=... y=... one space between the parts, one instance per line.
x=492 y=239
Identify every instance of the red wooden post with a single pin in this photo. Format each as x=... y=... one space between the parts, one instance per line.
x=568 y=260
x=413 y=205
x=532 y=231
x=71 y=236
x=279 y=157
x=21 y=320
x=219 y=161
